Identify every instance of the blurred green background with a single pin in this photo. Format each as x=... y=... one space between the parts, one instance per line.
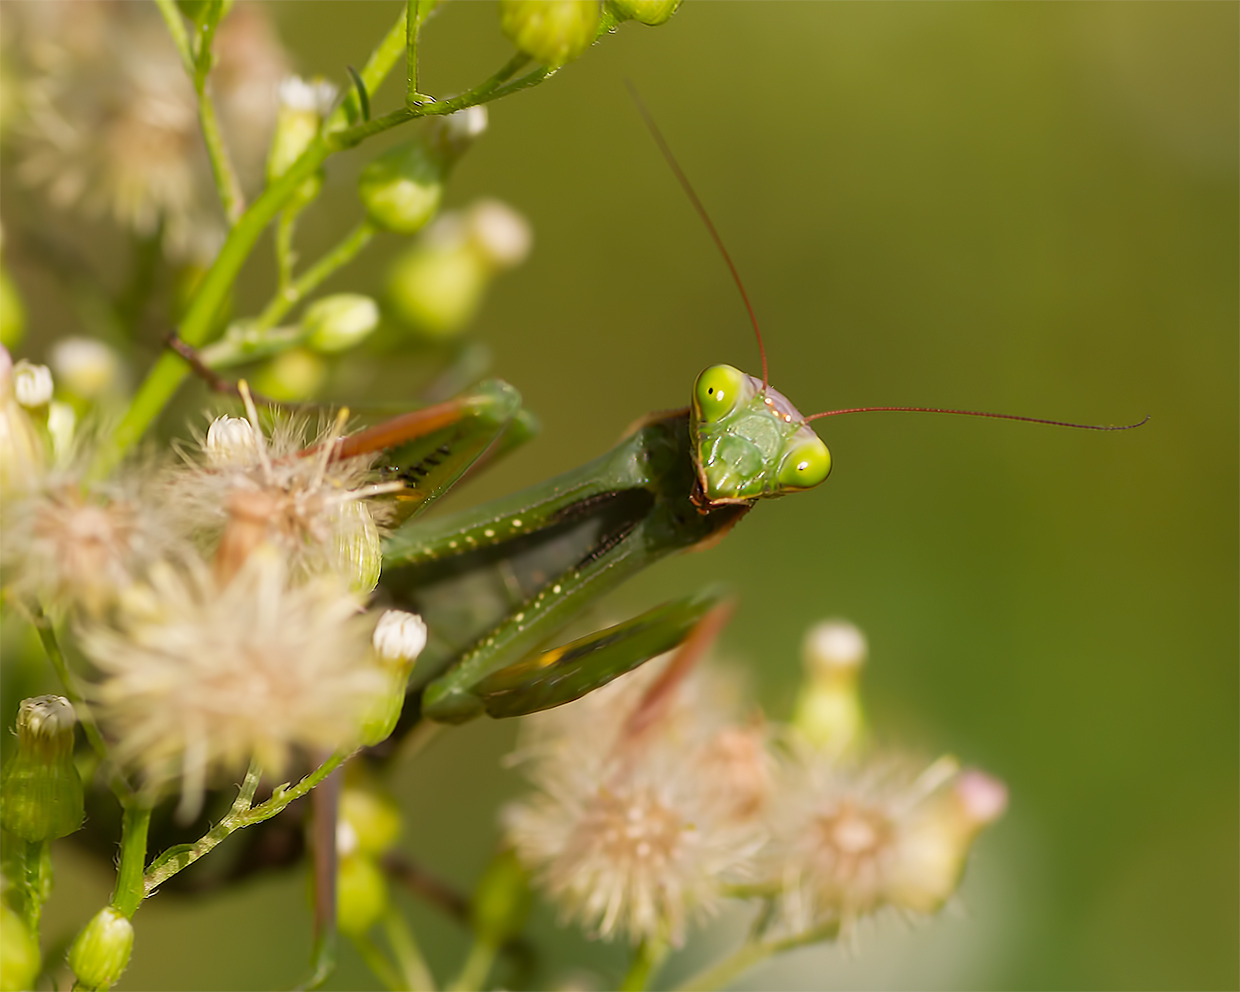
x=1020 y=208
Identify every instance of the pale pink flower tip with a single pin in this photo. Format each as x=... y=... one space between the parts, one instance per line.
x=982 y=798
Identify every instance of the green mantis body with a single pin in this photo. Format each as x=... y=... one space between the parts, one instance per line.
x=680 y=480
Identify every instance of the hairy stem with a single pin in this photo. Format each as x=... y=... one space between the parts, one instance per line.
x=129 y=891
x=178 y=858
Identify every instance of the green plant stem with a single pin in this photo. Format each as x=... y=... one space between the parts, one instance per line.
x=292 y=294
x=129 y=891
x=197 y=66
x=413 y=24
x=377 y=962
x=722 y=973
x=415 y=973
x=30 y=872
x=170 y=369
x=241 y=815
x=51 y=646
x=176 y=28
x=477 y=966
x=285 y=257
x=648 y=956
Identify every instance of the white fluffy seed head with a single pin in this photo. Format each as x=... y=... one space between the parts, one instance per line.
x=399 y=636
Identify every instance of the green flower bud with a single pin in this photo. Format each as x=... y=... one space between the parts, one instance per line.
x=438 y=284
x=19 y=953
x=359 y=552
x=291 y=376
x=501 y=900
x=41 y=792
x=828 y=710
x=101 y=951
x=303 y=105
x=552 y=31
x=361 y=894
x=402 y=188
x=370 y=820
x=12 y=311
x=336 y=323
x=398 y=639
x=650 y=12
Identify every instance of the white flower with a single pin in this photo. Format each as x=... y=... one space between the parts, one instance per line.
x=315 y=96
x=86 y=366
x=500 y=234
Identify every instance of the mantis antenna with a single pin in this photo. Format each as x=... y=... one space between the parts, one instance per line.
x=976 y=413
x=701 y=210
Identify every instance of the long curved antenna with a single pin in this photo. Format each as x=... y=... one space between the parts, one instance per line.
x=975 y=413
x=697 y=205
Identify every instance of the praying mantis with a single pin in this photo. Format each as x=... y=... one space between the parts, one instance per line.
x=677 y=481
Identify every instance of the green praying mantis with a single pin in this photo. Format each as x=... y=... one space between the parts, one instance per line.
x=677 y=481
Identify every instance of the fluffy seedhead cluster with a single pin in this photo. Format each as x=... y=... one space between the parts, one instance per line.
x=655 y=800
x=221 y=605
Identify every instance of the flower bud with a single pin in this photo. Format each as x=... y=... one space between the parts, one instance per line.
x=359 y=551
x=361 y=894
x=101 y=951
x=19 y=952
x=291 y=376
x=828 y=710
x=86 y=367
x=400 y=636
x=650 y=12
x=12 y=311
x=41 y=794
x=32 y=384
x=303 y=105
x=501 y=900
x=336 y=323
x=402 y=188
x=438 y=284
x=61 y=428
x=931 y=853
x=370 y=819
x=552 y=31
x=231 y=440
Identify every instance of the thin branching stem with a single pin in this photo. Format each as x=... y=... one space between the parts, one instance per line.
x=724 y=972
x=178 y=858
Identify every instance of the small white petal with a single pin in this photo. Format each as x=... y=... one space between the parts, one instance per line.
x=834 y=644
x=231 y=439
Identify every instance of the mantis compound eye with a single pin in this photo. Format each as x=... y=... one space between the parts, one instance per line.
x=805 y=465
x=717 y=391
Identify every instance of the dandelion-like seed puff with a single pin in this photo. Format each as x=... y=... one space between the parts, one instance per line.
x=631 y=835
x=200 y=675
x=246 y=489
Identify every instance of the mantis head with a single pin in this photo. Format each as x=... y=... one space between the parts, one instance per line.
x=749 y=441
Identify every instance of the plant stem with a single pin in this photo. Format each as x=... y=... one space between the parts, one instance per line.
x=647 y=957
x=325 y=803
x=227 y=184
x=292 y=294
x=170 y=369
x=285 y=258
x=722 y=973
x=377 y=962
x=176 y=28
x=116 y=781
x=129 y=891
x=476 y=968
x=30 y=872
x=415 y=973
x=241 y=815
